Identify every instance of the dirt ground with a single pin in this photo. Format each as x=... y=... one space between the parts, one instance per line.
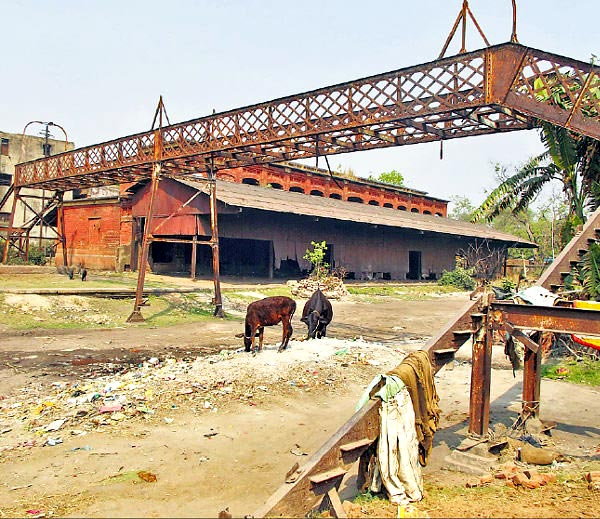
x=220 y=428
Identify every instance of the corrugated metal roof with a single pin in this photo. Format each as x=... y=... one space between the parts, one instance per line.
x=267 y=199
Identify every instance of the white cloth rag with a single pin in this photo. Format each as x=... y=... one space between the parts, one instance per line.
x=398 y=468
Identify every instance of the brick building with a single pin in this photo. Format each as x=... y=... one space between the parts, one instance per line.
x=264 y=231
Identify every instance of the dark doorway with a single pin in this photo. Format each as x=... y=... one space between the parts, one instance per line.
x=238 y=257
x=329 y=257
x=414 y=264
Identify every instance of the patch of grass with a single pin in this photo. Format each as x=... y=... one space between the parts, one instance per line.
x=65 y=312
x=402 y=292
x=276 y=291
x=368 y=497
x=578 y=372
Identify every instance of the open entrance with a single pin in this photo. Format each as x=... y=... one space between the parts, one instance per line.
x=242 y=257
x=414 y=264
x=238 y=257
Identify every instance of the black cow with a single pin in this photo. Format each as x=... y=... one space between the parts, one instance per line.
x=317 y=314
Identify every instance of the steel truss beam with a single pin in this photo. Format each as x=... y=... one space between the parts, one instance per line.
x=497 y=89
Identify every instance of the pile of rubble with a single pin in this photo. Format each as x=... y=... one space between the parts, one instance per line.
x=332 y=287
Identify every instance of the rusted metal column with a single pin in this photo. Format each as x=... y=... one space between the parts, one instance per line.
x=481 y=371
x=27 y=245
x=214 y=229
x=532 y=376
x=513 y=36
x=136 y=316
x=194 y=251
x=61 y=226
x=11 y=223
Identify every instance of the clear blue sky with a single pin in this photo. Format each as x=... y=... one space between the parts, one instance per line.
x=98 y=67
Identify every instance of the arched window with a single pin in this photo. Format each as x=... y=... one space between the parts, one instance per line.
x=439 y=214
x=356 y=199
x=250 y=181
x=402 y=208
x=296 y=189
x=373 y=202
x=275 y=185
x=426 y=212
x=387 y=204
x=414 y=210
x=335 y=196
x=316 y=192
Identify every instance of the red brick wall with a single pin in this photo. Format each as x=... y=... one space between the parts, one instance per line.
x=93 y=234
x=266 y=174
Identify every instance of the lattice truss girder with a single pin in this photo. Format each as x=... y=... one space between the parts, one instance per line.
x=497 y=89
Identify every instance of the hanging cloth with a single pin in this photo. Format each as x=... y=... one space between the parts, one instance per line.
x=398 y=469
x=417 y=374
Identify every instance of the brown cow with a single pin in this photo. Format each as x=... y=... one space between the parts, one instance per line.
x=268 y=312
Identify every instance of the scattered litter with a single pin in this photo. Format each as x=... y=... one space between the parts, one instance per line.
x=53 y=441
x=593 y=479
x=202 y=459
x=148 y=477
x=297 y=451
x=211 y=434
x=293 y=474
x=106 y=393
x=21 y=487
x=84 y=448
x=110 y=408
x=55 y=425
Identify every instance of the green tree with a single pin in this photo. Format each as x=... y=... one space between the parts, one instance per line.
x=462 y=208
x=392 y=177
x=569 y=158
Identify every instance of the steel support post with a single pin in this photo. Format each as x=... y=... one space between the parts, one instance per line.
x=481 y=371
x=61 y=227
x=532 y=376
x=136 y=316
x=27 y=245
x=11 y=223
x=194 y=253
x=214 y=229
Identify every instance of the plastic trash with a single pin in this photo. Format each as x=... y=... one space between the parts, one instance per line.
x=148 y=477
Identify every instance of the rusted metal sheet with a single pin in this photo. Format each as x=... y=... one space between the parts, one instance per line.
x=549 y=318
x=181 y=225
x=440 y=100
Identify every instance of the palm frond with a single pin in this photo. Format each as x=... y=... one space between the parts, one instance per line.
x=591 y=272
x=507 y=194
x=561 y=146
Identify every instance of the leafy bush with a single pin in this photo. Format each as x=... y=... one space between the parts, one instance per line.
x=459 y=278
x=506 y=284
x=37 y=256
x=316 y=257
x=591 y=272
